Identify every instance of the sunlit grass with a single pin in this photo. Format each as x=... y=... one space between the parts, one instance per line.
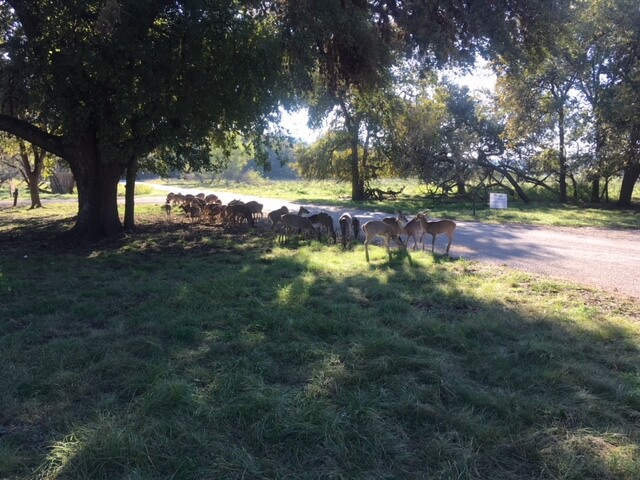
x=184 y=351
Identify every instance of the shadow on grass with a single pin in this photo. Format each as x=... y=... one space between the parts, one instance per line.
x=188 y=352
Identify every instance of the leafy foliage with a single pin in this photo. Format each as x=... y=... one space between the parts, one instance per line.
x=566 y=104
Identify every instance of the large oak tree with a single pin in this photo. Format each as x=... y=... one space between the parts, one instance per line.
x=122 y=78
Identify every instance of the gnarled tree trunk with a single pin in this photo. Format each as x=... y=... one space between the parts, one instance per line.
x=96 y=178
x=357 y=182
x=629 y=179
x=484 y=162
x=97 y=184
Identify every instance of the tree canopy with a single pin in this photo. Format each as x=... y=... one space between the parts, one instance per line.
x=565 y=114
x=104 y=83
x=359 y=44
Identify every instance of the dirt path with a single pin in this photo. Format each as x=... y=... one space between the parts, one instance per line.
x=607 y=259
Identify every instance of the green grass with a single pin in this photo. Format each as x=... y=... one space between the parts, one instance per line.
x=184 y=351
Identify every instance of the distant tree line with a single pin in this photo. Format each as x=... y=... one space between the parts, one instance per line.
x=565 y=117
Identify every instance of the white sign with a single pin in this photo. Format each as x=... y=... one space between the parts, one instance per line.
x=498 y=200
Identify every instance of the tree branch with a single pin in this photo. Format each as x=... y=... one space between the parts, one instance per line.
x=483 y=161
x=33 y=134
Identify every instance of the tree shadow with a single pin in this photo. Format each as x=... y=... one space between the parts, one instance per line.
x=204 y=353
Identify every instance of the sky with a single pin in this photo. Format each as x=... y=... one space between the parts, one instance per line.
x=296 y=122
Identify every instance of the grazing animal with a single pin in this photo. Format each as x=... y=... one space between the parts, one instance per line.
x=238 y=211
x=212 y=198
x=388 y=230
x=355 y=224
x=167 y=209
x=192 y=211
x=324 y=220
x=303 y=211
x=437 y=227
x=292 y=223
x=178 y=198
x=412 y=229
x=348 y=223
x=256 y=209
x=275 y=215
x=199 y=202
x=213 y=210
x=170 y=197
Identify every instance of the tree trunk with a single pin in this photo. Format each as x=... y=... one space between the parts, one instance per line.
x=32 y=175
x=357 y=184
x=574 y=184
x=595 y=178
x=34 y=192
x=562 y=159
x=352 y=127
x=595 y=189
x=130 y=190
x=632 y=169
x=629 y=179
x=97 y=184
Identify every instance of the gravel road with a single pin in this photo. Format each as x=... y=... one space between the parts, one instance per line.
x=602 y=258
x=607 y=259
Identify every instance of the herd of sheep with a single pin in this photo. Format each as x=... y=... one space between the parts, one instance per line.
x=284 y=224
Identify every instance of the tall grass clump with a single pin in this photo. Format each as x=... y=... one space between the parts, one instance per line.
x=186 y=351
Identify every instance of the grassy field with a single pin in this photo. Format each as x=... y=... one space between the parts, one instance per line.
x=190 y=352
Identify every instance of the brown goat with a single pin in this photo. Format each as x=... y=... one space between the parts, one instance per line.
x=238 y=211
x=275 y=215
x=325 y=221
